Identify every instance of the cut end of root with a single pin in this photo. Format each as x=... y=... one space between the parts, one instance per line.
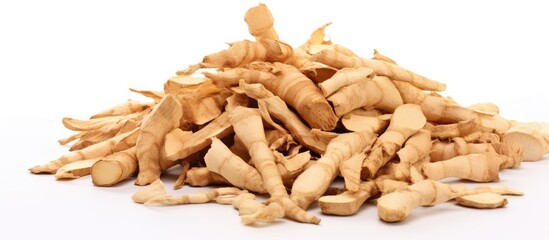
x=106 y=173
x=43 y=169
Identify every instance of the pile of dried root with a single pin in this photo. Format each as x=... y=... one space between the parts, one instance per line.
x=262 y=117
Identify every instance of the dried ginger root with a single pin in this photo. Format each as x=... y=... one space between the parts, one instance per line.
x=298 y=118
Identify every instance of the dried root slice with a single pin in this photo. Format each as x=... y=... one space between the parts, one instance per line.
x=163 y=118
x=483 y=167
x=131 y=106
x=397 y=206
x=260 y=22
x=155 y=194
x=444 y=151
x=315 y=180
x=71 y=138
x=487 y=200
x=356 y=123
x=498 y=189
x=533 y=142
x=114 y=168
x=201 y=176
x=347 y=203
x=460 y=129
x=75 y=169
x=345 y=77
x=222 y=161
x=117 y=143
x=381 y=57
x=339 y=60
x=155 y=95
x=417 y=147
x=436 y=108
x=252 y=211
x=489 y=109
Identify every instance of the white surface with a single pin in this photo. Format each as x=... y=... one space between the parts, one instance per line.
x=69 y=58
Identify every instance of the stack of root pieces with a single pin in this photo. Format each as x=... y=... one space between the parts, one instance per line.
x=263 y=117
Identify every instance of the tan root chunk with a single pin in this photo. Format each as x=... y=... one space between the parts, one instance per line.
x=155 y=95
x=345 y=77
x=201 y=176
x=436 y=108
x=301 y=93
x=163 y=119
x=71 y=138
x=185 y=166
x=485 y=200
x=485 y=108
x=315 y=180
x=396 y=206
x=222 y=161
x=406 y=121
x=114 y=168
x=131 y=106
x=347 y=203
x=101 y=149
x=261 y=23
x=249 y=128
x=273 y=106
x=339 y=60
x=483 y=167
x=467 y=129
x=379 y=93
x=534 y=143
x=75 y=169
x=417 y=147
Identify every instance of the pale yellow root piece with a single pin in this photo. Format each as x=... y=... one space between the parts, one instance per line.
x=155 y=194
x=201 y=176
x=131 y=106
x=436 y=108
x=502 y=190
x=94 y=151
x=114 y=168
x=485 y=108
x=301 y=93
x=71 y=138
x=444 y=150
x=407 y=120
x=290 y=167
x=260 y=22
x=533 y=142
x=494 y=123
x=350 y=169
x=274 y=106
x=163 y=118
x=155 y=95
x=317 y=72
x=75 y=169
x=347 y=203
x=478 y=167
x=386 y=185
x=242 y=53
x=222 y=161
x=252 y=211
x=202 y=104
x=355 y=122
x=231 y=77
x=417 y=147
x=485 y=200
x=464 y=129
x=379 y=93
x=382 y=68
x=397 y=206
x=248 y=127
x=183 y=83
x=315 y=180
x=108 y=131
x=345 y=77
x=95 y=123
x=185 y=166
x=381 y=57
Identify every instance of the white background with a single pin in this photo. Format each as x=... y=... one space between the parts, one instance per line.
x=74 y=58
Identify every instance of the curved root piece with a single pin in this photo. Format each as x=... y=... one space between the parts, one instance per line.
x=486 y=200
x=397 y=206
x=482 y=167
x=75 y=169
x=201 y=176
x=260 y=22
x=533 y=142
x=244 y=52
x=347 y=203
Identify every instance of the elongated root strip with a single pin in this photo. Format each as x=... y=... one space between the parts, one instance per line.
x=94 y=151
x=486 y=200
x=201 y=176
x=249 y=128
x=482 y=167
x=123 y=109
x=444 y=151
x=347 y=203
x=315 y=180
x=221 y=160
x=252 y=211
x=345 y=77
x=454 y=130
x=356 y=123
x=163 y=118
x=381 y=57
x=396 y=206
x=114 y=168
x=339 y=60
